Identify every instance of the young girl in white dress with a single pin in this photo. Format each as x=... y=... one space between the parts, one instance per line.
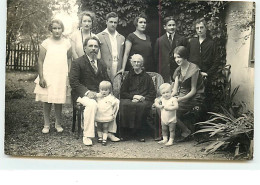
x=52 y=85
x=107 y=108
x=168 y=106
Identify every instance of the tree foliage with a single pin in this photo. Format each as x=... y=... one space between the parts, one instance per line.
x=126 y=10
x=28 y=20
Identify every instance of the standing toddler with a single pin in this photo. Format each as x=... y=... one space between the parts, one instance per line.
x=168 y=106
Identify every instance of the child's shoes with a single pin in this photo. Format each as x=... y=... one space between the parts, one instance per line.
x=104 y=142
x=59 y=128
x=162 y=141
x=46 y=130
x=165 y=139
x=100 y=140
x=169 y=143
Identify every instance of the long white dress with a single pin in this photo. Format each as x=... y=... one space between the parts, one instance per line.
x=55 y=73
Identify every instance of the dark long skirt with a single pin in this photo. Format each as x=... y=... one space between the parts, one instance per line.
x=133 y=115
x=187 y=106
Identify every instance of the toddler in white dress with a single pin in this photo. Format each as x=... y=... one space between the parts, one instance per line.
x=107 y=108
x=168 y=106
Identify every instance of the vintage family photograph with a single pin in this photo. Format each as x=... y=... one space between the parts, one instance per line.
x=139 y=80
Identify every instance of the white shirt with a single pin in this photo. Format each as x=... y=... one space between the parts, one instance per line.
x=168 y=35
x=113 y=42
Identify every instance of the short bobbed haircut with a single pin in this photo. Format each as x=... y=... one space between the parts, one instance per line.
x=91 y=38
x=111 y=14
x=89 y=14
x=104 y=85
x=182 y=51
x=167 y=19
x=57 y=21
x=165 y=86
x=142 y=15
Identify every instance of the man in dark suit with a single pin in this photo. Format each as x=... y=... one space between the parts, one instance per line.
x=163 y=47
x=85 y=75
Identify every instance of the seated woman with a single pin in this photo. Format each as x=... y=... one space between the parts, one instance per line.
x=188 y=86
x=137 y=96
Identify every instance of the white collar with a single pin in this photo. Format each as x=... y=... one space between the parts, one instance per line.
x=106 y=31
x=168 y=34
x=95 y=60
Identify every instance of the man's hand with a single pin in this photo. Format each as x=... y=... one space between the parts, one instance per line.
x=91 y=95
x=120 y=72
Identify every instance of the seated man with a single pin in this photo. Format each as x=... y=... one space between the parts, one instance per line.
x=85 y=75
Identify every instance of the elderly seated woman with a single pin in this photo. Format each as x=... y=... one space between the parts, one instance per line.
x=137 y=94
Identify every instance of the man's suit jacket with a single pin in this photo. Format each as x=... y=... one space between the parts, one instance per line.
x=106 y=50
x=83 y=77
x=163 y=48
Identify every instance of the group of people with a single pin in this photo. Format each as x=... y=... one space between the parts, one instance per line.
x=85 y=66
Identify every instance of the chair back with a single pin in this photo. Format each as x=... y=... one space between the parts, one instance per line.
x=119 y=78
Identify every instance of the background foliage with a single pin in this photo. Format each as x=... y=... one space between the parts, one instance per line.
x=27 y=20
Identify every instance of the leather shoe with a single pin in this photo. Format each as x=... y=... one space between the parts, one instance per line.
x=141 y=139
x=113 y=138
x=87 y=141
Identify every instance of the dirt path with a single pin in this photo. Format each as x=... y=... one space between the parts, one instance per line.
x=23 y=137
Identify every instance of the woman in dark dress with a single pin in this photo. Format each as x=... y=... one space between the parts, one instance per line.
x=137 y=96
x=188 y=86
x=138 y=43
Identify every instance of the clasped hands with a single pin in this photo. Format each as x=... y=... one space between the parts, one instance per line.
x=138 y=98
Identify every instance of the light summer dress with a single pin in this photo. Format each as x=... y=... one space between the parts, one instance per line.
x=55 y=73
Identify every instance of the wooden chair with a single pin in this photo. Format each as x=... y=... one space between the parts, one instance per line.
x=154 y=121
x=77 y=114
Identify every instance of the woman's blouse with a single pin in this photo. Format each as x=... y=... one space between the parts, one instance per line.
x=78 y=41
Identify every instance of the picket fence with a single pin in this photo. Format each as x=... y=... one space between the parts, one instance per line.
x=22 y=57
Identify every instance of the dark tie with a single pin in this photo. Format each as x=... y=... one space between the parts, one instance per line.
x=92 y=62
x=170 y=38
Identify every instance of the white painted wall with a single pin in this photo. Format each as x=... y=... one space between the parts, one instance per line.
x=238 y=56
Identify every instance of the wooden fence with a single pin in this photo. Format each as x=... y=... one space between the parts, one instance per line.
x=21 y=57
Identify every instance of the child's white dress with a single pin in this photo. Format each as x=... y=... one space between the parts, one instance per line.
x=105 y=112
x=55 y=73
x=168 y=116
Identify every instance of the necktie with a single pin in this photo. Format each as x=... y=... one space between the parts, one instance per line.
x=170 y=38
x=92 y=62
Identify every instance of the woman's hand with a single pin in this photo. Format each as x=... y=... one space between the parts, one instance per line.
x=179 y=99
x=42 y=83
x=138 y=98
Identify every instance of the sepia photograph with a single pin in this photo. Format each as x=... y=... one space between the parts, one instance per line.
x=154 y=80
